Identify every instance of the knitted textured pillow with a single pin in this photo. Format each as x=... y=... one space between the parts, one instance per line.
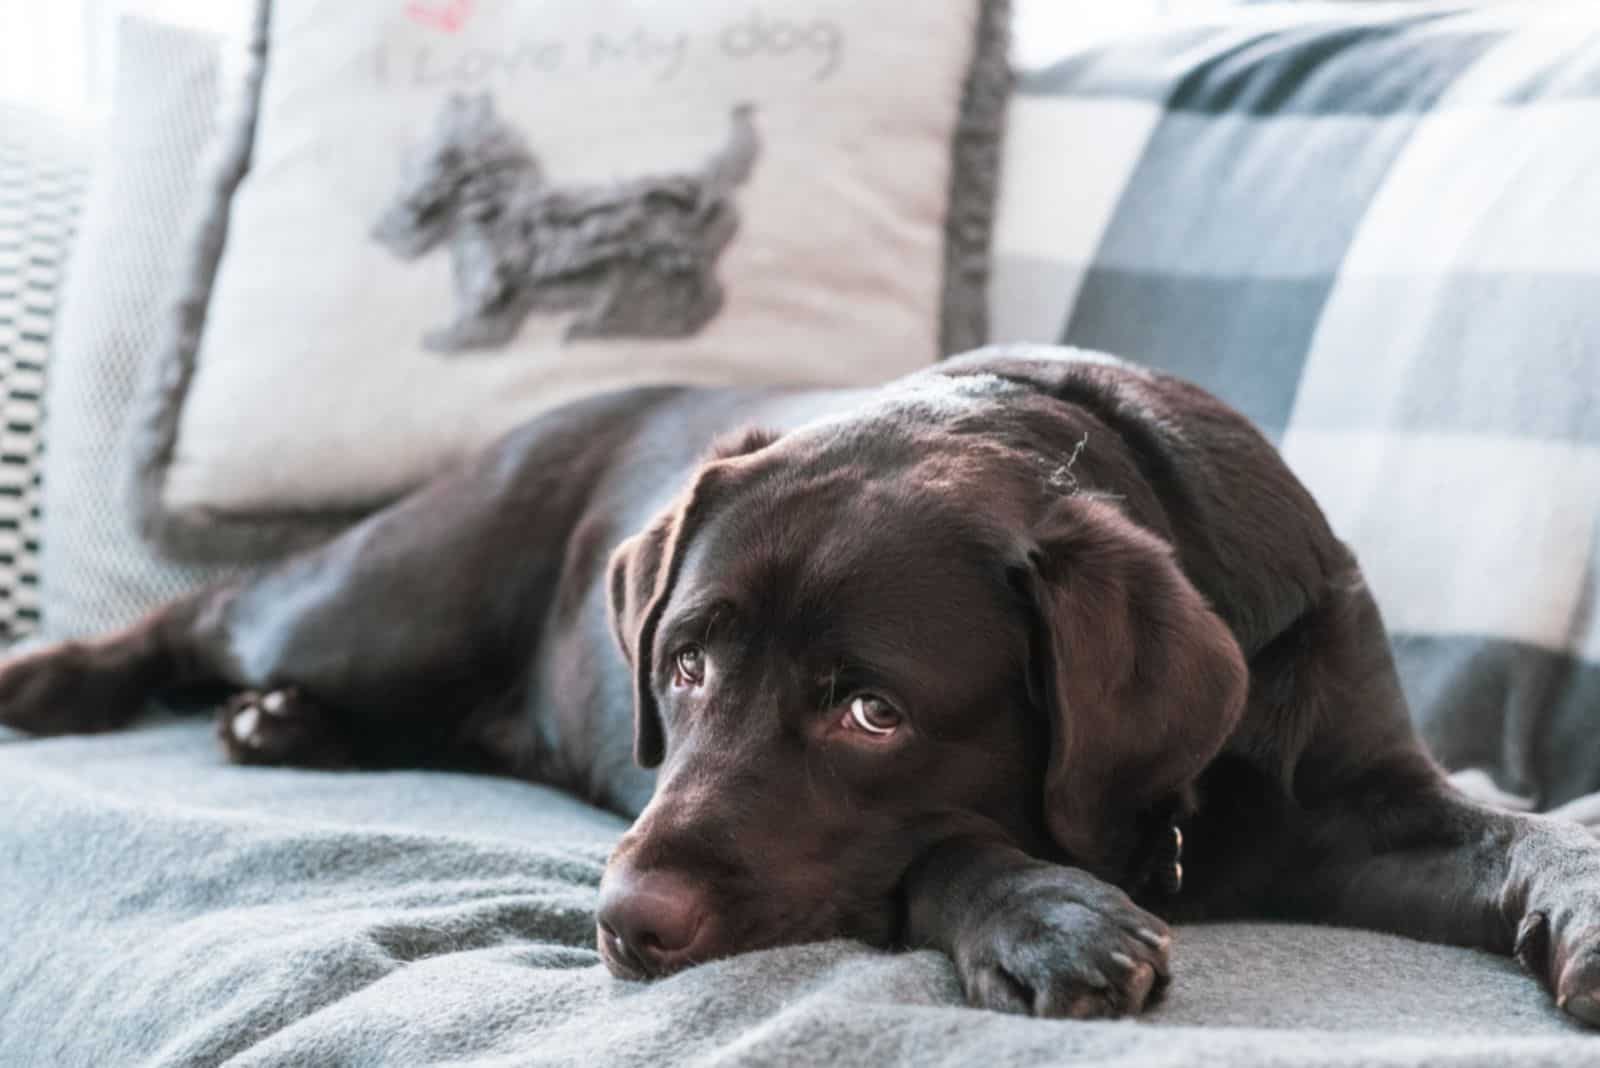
x=96 y=572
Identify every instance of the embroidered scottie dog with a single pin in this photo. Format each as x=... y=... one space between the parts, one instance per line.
x=633 y=259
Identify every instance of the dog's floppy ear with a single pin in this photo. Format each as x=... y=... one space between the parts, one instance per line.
x=643 y=569
x=642 y=573
x=1140 y=679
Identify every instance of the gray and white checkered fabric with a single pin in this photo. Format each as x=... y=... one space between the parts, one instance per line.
x=42 y=177
x=1375 y=230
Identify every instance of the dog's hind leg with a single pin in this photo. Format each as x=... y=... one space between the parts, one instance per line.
x=367 y=650
x=399 y=642
x=79 y=687
x=389 y=637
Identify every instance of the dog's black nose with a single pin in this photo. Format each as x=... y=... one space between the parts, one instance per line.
x=651 y=922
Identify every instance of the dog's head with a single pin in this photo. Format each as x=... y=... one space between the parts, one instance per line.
x=857 y=640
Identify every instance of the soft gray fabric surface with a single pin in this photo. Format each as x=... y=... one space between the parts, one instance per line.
x=158 y=907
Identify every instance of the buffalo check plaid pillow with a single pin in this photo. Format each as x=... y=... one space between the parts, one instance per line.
x=1376 y=230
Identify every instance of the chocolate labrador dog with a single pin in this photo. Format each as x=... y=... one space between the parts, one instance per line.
x=963 y=661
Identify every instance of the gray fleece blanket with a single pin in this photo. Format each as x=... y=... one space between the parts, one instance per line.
x=158 y=907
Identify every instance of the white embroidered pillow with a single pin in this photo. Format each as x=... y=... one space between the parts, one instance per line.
x=444 y=217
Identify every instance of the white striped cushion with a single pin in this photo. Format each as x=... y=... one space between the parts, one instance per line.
x=42 y=178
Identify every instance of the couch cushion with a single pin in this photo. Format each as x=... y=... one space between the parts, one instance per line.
x=1374 y=229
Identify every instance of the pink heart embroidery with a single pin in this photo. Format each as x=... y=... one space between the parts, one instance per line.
x=448 y=17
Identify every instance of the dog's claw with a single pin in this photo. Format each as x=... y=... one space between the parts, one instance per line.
x=1154 y=939
x=1533 y=941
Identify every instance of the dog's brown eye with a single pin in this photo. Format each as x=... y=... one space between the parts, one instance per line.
x=691 y=664
x=872 y=714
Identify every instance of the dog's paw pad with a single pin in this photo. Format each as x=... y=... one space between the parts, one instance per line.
x=274 y=727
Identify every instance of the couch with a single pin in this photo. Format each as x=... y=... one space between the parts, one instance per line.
x=1268 y=201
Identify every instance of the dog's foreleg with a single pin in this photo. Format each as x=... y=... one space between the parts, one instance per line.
x=1426 y=862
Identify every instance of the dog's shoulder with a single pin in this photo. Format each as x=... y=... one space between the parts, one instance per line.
x=1135 y=398
x=1184 y=440
x=1247 y=532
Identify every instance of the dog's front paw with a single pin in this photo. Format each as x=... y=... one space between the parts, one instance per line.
x=278 y=727
x=1065 y=944
x=1559 y=943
